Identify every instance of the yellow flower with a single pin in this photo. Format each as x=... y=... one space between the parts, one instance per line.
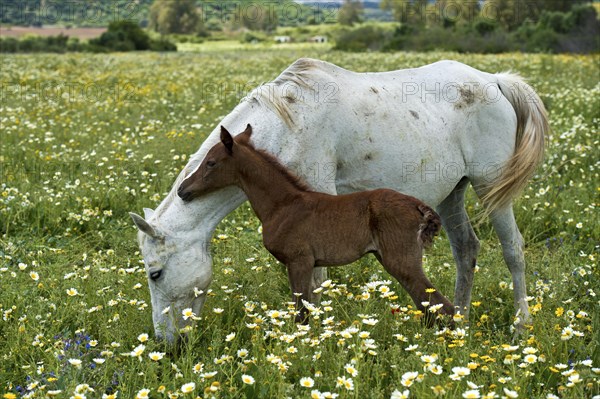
x=559 y=311
x=9 y=395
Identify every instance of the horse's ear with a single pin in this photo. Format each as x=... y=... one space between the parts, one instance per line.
x=148 y=213
x=226 y=139
x=144 y=226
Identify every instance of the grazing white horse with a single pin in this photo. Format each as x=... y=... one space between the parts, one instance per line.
x=426 y=132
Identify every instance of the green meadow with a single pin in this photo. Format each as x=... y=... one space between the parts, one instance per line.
x=87 y=138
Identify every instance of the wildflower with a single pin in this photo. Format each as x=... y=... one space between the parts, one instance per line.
x=189 y=387
x=307 y=382
x=438 y=390
x=435 y=369
x=567 y=333
x=247 y=379
x=142 y=337
x=408 y=378
x=345 y=382
x=510 y=394
x=75 y=362
x=137 y=351
x=230 y=337
x=471 y=394
x=350 y=369
x=242 y=353
x=187 y=313
x=34 y=276
x=143 y=394
x=530 y=359
x=429 y=358
x=559 y=311
x=509 y=348
x=72 y=292
x=83 y=388
x=156 y=356
x=400 y=395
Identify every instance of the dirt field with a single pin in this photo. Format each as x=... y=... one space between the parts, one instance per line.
x=82 y=33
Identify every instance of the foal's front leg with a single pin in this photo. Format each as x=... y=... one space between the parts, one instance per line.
x=300 y=276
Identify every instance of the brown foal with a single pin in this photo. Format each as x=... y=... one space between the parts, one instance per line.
x=304 y=229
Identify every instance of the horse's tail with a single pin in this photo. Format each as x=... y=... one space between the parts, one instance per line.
x=532 y=126
x=429 y=227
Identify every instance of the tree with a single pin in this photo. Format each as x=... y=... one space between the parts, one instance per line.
x=351 y=12
x=449 y=12
x=260 y=17
x=413 y=12
x=512 y=13
x=170 y=16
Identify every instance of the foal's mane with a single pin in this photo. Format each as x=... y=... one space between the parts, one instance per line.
x=292 y=178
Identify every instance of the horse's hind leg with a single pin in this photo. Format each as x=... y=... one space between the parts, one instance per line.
x=464 y=243
x=508 y=233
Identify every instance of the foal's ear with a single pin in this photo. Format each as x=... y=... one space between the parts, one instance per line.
x=244 y=137
x=248 y=131
x=227 y=140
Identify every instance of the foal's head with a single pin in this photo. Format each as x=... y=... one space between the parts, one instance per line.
x=217 y=170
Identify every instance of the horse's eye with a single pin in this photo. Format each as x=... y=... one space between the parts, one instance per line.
x=155 y=275
x=210 y=164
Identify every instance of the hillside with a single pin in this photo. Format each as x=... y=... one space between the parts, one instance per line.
x=95 y=13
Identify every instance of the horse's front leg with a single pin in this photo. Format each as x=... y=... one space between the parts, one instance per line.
x=300 y=276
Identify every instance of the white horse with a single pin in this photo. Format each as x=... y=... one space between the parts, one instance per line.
x=426 y=132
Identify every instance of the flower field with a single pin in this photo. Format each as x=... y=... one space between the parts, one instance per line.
x=87 y=138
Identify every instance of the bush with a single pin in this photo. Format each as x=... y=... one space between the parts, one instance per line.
x=253 y=37
x=9 y=45
x=37 y=44
x=123 y=36
x=128 y=36
x=364 y=38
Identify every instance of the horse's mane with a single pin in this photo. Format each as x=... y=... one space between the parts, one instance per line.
x=277 y=95
x=292 y=178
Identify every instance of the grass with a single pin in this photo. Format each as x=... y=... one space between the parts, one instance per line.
x=87 y=138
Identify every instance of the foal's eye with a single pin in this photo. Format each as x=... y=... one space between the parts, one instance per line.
x=210 y=164
x=155 y=275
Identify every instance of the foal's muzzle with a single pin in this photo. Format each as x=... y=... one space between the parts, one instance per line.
x=183 y=194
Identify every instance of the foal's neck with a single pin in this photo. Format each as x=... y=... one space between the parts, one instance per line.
x=268 y=185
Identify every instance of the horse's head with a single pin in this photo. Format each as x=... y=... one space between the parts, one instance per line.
x=179 y=271
x=217 y=170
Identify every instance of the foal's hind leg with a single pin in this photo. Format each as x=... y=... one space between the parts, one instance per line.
x=508 y=233
x=300 y=276
x=405 y=264
x=464 y=243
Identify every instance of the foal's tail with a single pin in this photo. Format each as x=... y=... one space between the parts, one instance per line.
x=532 y=126
x=429 y=227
